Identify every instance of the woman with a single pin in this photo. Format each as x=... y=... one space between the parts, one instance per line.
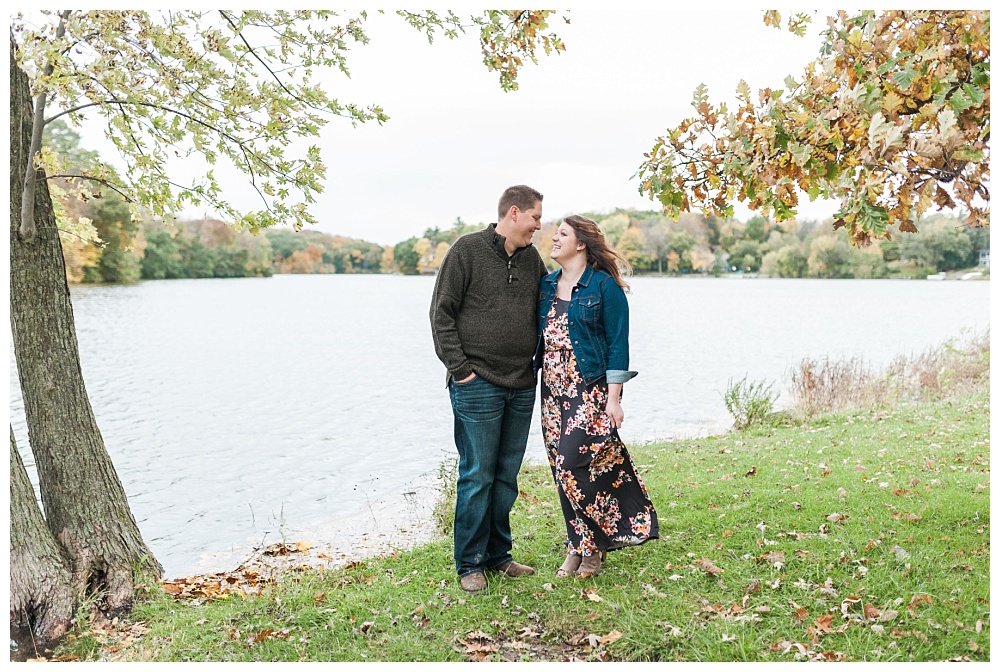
x=583 y=355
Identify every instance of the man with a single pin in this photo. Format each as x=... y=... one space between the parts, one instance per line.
x=485 y=331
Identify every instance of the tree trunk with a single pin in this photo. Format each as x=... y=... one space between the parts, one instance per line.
x=84 y=502
x=41 y=597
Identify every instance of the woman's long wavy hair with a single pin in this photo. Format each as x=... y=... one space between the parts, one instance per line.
x=600 y=255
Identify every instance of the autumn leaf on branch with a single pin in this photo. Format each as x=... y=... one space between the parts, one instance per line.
x=892 y=119
x=242 y=88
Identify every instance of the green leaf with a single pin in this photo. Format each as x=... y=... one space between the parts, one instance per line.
x=904 y=78
x=974 y=94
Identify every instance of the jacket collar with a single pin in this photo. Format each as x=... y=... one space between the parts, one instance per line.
x=588 y=273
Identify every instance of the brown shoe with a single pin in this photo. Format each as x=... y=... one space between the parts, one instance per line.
x=513 y=569
x=569 y=566
x=590 y=565
x=474 y=582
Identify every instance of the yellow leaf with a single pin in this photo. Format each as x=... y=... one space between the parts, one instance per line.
x=892 y=102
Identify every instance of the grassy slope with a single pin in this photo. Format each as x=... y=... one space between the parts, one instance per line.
x=917 y=524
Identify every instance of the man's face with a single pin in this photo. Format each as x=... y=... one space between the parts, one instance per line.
x=525 y=222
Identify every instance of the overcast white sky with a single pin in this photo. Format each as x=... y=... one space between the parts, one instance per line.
x=576 y=130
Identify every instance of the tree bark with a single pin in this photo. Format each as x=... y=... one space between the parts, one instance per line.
x=84 y=502
x=41 y=597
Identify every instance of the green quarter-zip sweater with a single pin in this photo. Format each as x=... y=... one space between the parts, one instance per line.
x=483 y=311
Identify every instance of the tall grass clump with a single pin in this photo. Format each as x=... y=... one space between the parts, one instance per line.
x=956 y=367
x=444 y=507
x=749 y=402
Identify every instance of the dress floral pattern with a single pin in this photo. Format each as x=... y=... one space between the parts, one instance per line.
x=603 y=499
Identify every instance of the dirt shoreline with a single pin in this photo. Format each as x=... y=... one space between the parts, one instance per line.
x=401 y=520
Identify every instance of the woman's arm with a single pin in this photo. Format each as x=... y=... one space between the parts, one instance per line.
x=615 y=314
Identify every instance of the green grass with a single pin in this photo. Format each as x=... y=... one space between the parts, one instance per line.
x=912 y=483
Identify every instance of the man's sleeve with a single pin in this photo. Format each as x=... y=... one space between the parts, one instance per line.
x=446 y=302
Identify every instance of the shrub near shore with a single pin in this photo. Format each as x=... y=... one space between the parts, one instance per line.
x=860 y=535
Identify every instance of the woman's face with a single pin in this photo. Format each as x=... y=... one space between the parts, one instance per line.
x=565 y=245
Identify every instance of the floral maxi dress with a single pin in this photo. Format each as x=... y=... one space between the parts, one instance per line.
x=603 y=499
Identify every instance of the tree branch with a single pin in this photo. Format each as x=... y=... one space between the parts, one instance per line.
x=28 y=229
x=99 y=180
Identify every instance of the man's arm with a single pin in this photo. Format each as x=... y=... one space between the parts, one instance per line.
x=446 y=302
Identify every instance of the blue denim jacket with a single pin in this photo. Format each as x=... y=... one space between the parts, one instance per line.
x=598 y=325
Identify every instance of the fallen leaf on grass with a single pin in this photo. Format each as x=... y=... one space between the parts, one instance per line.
x=284 y=549
x=649 y=589
x=269 y=633
x=824 y=623
x=801 y=614
x=671 y=630
x=847 y=602
x=917 y=601
x=707 y=566
x=776 y=558
x=527 y=496
x=973 y=646
x=871 y=613
x=784 y=646
x=827 y=588
x=888 y=615
x=752 y=472
x=837 y=518
x=591 y=594
x=222 y=585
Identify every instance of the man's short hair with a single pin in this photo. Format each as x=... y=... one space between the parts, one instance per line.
x=523 y=196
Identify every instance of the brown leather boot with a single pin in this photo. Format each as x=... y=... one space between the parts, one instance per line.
x=513 y=569
x=474 y=582
x=569 y=566
x=590 y=565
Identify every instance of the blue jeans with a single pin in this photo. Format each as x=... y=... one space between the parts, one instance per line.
x=491 y=431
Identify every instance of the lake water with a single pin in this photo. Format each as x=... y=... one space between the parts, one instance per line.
x=242 y=409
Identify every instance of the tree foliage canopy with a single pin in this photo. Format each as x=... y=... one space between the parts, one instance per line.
x=891 y=119
x=244 y=86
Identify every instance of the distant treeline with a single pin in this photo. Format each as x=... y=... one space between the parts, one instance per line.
x=209 y=248
x=653 y=243
x=128 y=249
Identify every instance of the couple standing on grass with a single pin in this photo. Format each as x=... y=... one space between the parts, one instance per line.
x=497 y=319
